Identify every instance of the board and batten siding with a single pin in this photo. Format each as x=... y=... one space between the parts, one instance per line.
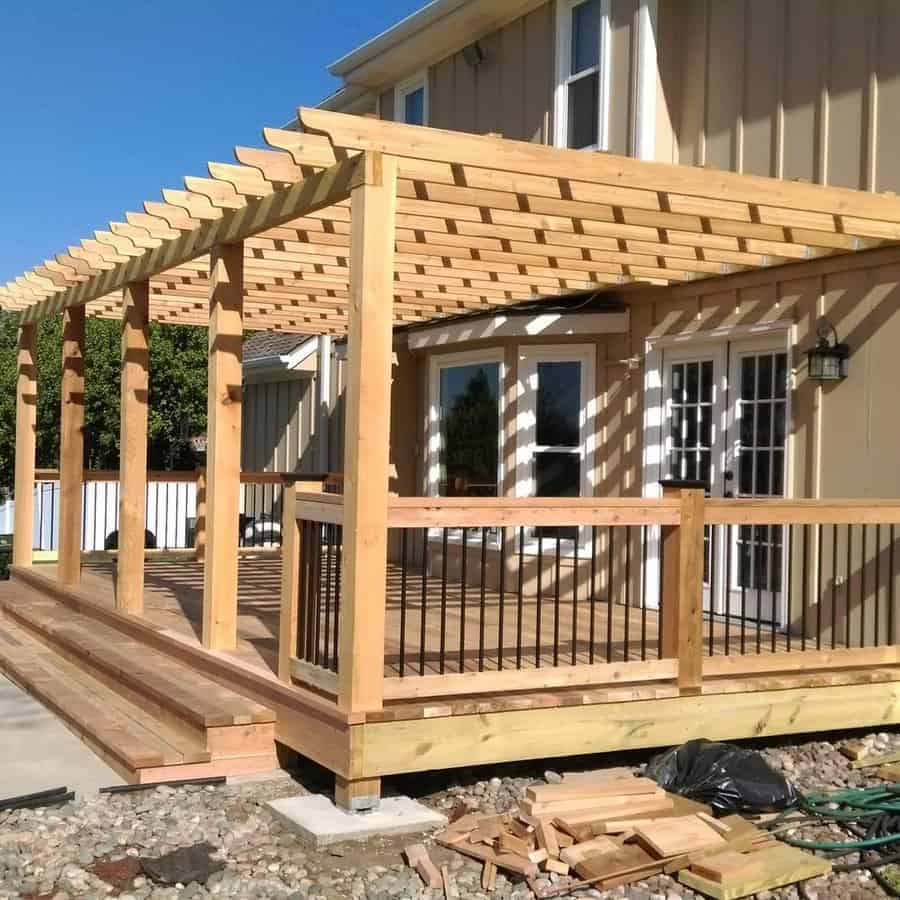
x=797 y=89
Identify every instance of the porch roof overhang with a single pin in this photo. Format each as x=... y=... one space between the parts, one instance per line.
x=482 y=222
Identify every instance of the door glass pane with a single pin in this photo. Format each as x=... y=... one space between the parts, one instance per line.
x=691 y=420
x=585 y=36
x=584 y=111
x=414 y=107
x=557 y=475
x=470 y=430
x=558 y=404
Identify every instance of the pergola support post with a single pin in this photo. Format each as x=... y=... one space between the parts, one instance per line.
x=26 y=444
x=133 y=446
x=71 y=446
x=366 y=454
x=223 y=458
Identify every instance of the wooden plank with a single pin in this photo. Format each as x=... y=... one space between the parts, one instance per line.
x=677 y=836
x=875 y=759
x=597 y=846
x=133 y=446
x=224 y=446
x=614 y=787
x=719 y=511
x=200 y=517
x=506 y=681
x=26 y=445
x=417 y=857
x=805 y=660
x=368 y=393
x=288 y=615
x=71 y=447
x=520 y=865
x=774 y=867
x=315 y=676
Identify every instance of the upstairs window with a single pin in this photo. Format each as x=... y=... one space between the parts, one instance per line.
x=411 y=101
x=582 y=54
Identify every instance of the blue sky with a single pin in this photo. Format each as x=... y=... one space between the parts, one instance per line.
x=105 y=102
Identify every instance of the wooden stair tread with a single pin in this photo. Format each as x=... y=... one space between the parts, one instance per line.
x=93 y=710
x=197 y=698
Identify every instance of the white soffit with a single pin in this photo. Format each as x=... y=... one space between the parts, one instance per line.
x=501 y=325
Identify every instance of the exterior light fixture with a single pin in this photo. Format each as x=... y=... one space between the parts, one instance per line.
x=473 y=54
x=829 y=359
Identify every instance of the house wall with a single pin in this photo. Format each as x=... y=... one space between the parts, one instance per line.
x=788 y=88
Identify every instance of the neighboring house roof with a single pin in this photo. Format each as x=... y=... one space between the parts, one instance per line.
x=277 y=350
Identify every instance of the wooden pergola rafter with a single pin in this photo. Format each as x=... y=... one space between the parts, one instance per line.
x=481 y=222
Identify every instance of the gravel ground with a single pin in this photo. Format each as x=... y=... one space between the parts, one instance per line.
x=91 y=848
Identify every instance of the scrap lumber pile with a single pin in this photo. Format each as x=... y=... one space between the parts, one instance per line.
x=607 y=829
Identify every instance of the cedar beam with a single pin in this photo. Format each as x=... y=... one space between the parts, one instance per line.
x=369 y=354
x=26 y=443
x=71 y=446
x=133 y=446
x=290 y=581
x=223 y=466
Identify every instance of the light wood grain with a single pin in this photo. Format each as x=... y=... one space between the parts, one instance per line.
x=26 y=444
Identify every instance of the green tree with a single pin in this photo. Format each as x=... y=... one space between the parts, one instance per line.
x=178 y=356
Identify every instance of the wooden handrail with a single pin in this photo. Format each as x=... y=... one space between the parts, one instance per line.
x=728 y=511
x=186 y=475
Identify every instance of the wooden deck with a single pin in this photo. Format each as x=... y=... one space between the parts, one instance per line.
x=173 y=596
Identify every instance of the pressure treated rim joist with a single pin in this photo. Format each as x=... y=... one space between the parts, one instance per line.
x=481 y=222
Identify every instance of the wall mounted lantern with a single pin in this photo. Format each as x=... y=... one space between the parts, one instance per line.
x=829 y=360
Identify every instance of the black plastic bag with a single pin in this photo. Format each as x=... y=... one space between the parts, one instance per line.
x=727 y=778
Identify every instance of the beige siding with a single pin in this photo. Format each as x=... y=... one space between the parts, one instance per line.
x=510 y=92
x=790 y=88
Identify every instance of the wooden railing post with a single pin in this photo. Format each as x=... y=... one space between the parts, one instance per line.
x=290 y=581
x=26 y=443
x=682 y=585
x=133 y=446
x=71 y=446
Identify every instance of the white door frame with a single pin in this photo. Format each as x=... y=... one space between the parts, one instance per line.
x=654 y=418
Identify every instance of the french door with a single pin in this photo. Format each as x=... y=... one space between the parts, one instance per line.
x=724 y=423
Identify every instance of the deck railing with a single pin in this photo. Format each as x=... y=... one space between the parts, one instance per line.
x=175 y=510
x=498 y=595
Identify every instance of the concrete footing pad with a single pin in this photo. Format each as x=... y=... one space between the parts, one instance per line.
x=317 y=819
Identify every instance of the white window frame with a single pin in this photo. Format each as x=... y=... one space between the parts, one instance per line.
x=564 y=77
x=646 y=79
x=436 y=365
x=526 y=422
x=406 y=87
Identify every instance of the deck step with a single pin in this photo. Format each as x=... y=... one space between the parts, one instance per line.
x=166 y=686
x=93 y=711
x=150 y=716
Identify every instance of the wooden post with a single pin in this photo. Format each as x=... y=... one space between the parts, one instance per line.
x=200 y=517
x=71 y=446
x=682 y=586
x=369 y=355
x=223 y=456
x=133 y=446
x=290 y=581
x=26 y=442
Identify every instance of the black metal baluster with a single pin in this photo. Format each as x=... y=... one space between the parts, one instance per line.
x=443 y=642
x=712 y=587
x=891 y=591
x=464 y=573
x=643 y=592
x=609 y=593
x=575 y=598
x=773 y=531
x=819 y=588
x=661 y=603
x=537 y=609
x=626 y=645
x=423 y=602
x=877 y=584
x=862 y=588
x=502 y=608
x=520 y=598
x=557 y=562
x=847 y=585
x=593 y=609
x=482 y=600
x=804 y=591
x=834 y=569
x=317 y=581
x=404 y=554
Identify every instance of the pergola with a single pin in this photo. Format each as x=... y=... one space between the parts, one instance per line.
x=353 y=226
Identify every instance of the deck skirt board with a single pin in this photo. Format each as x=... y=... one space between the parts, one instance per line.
x=149 y=716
